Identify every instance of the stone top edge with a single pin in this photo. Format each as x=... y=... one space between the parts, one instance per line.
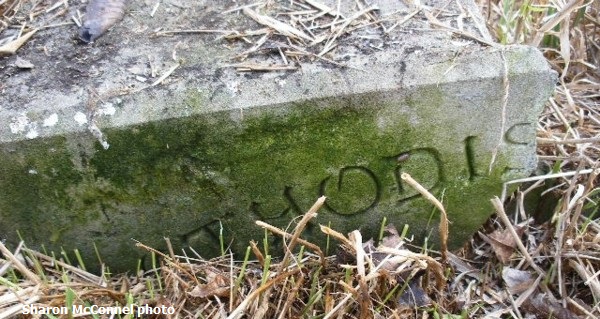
x=135 y=47
x=65 y=114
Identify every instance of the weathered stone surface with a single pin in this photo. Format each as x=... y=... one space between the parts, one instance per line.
x=88 y=156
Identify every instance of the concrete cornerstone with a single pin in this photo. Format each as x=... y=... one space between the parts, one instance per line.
x=164 y=127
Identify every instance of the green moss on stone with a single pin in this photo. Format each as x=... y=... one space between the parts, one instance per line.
x=186 y=178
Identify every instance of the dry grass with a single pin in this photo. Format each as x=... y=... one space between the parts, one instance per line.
x=514 y=268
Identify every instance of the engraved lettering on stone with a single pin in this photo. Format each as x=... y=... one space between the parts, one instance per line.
x=343 y=198
x=347 y=181
x=424 y=164
x=470 y=156
x=291 y=207
x=204 y=235
x=287 y=194
x=519 y=133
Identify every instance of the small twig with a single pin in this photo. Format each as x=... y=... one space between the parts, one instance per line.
x=154 y=9
x=49 y=26
x=337 y=235
x=434 y=21
x=403 y=21
x=165 y=75
x=363 y=293
x=590 y=279
x=242 y=8
x=259 y=67
x=329 y=45
x=167 y=259
x=301 y=241
x=291 y=298
x=19 y=265
x=506 y=221
x=443 y=228
x=254 y=48
x=312 y=213
x=541 y=140
x=324 y=8
x=17 y=309
x=341 y=303
x=241 y=308
x=279 y=26
x=81 y=273
x=555 y=20
x=11 y=47
x=194 y=31
x=550 y=176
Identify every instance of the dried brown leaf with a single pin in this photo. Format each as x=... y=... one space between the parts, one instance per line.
x=503 y=243
x=517 y=281
x=542 y=307
x=414 y=295
x=218 y=285
x=393 y=240
x=503 y=252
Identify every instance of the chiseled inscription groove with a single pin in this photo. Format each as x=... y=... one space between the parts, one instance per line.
x=204 y=229
x=512 y=134
x=470 y=154
x=365 y=172
x=427 y=159
x=425 y=162
x=292 y=207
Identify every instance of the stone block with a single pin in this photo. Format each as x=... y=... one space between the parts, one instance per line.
x=91 y=155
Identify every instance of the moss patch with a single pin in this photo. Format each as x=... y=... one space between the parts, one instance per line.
x=187 y=178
